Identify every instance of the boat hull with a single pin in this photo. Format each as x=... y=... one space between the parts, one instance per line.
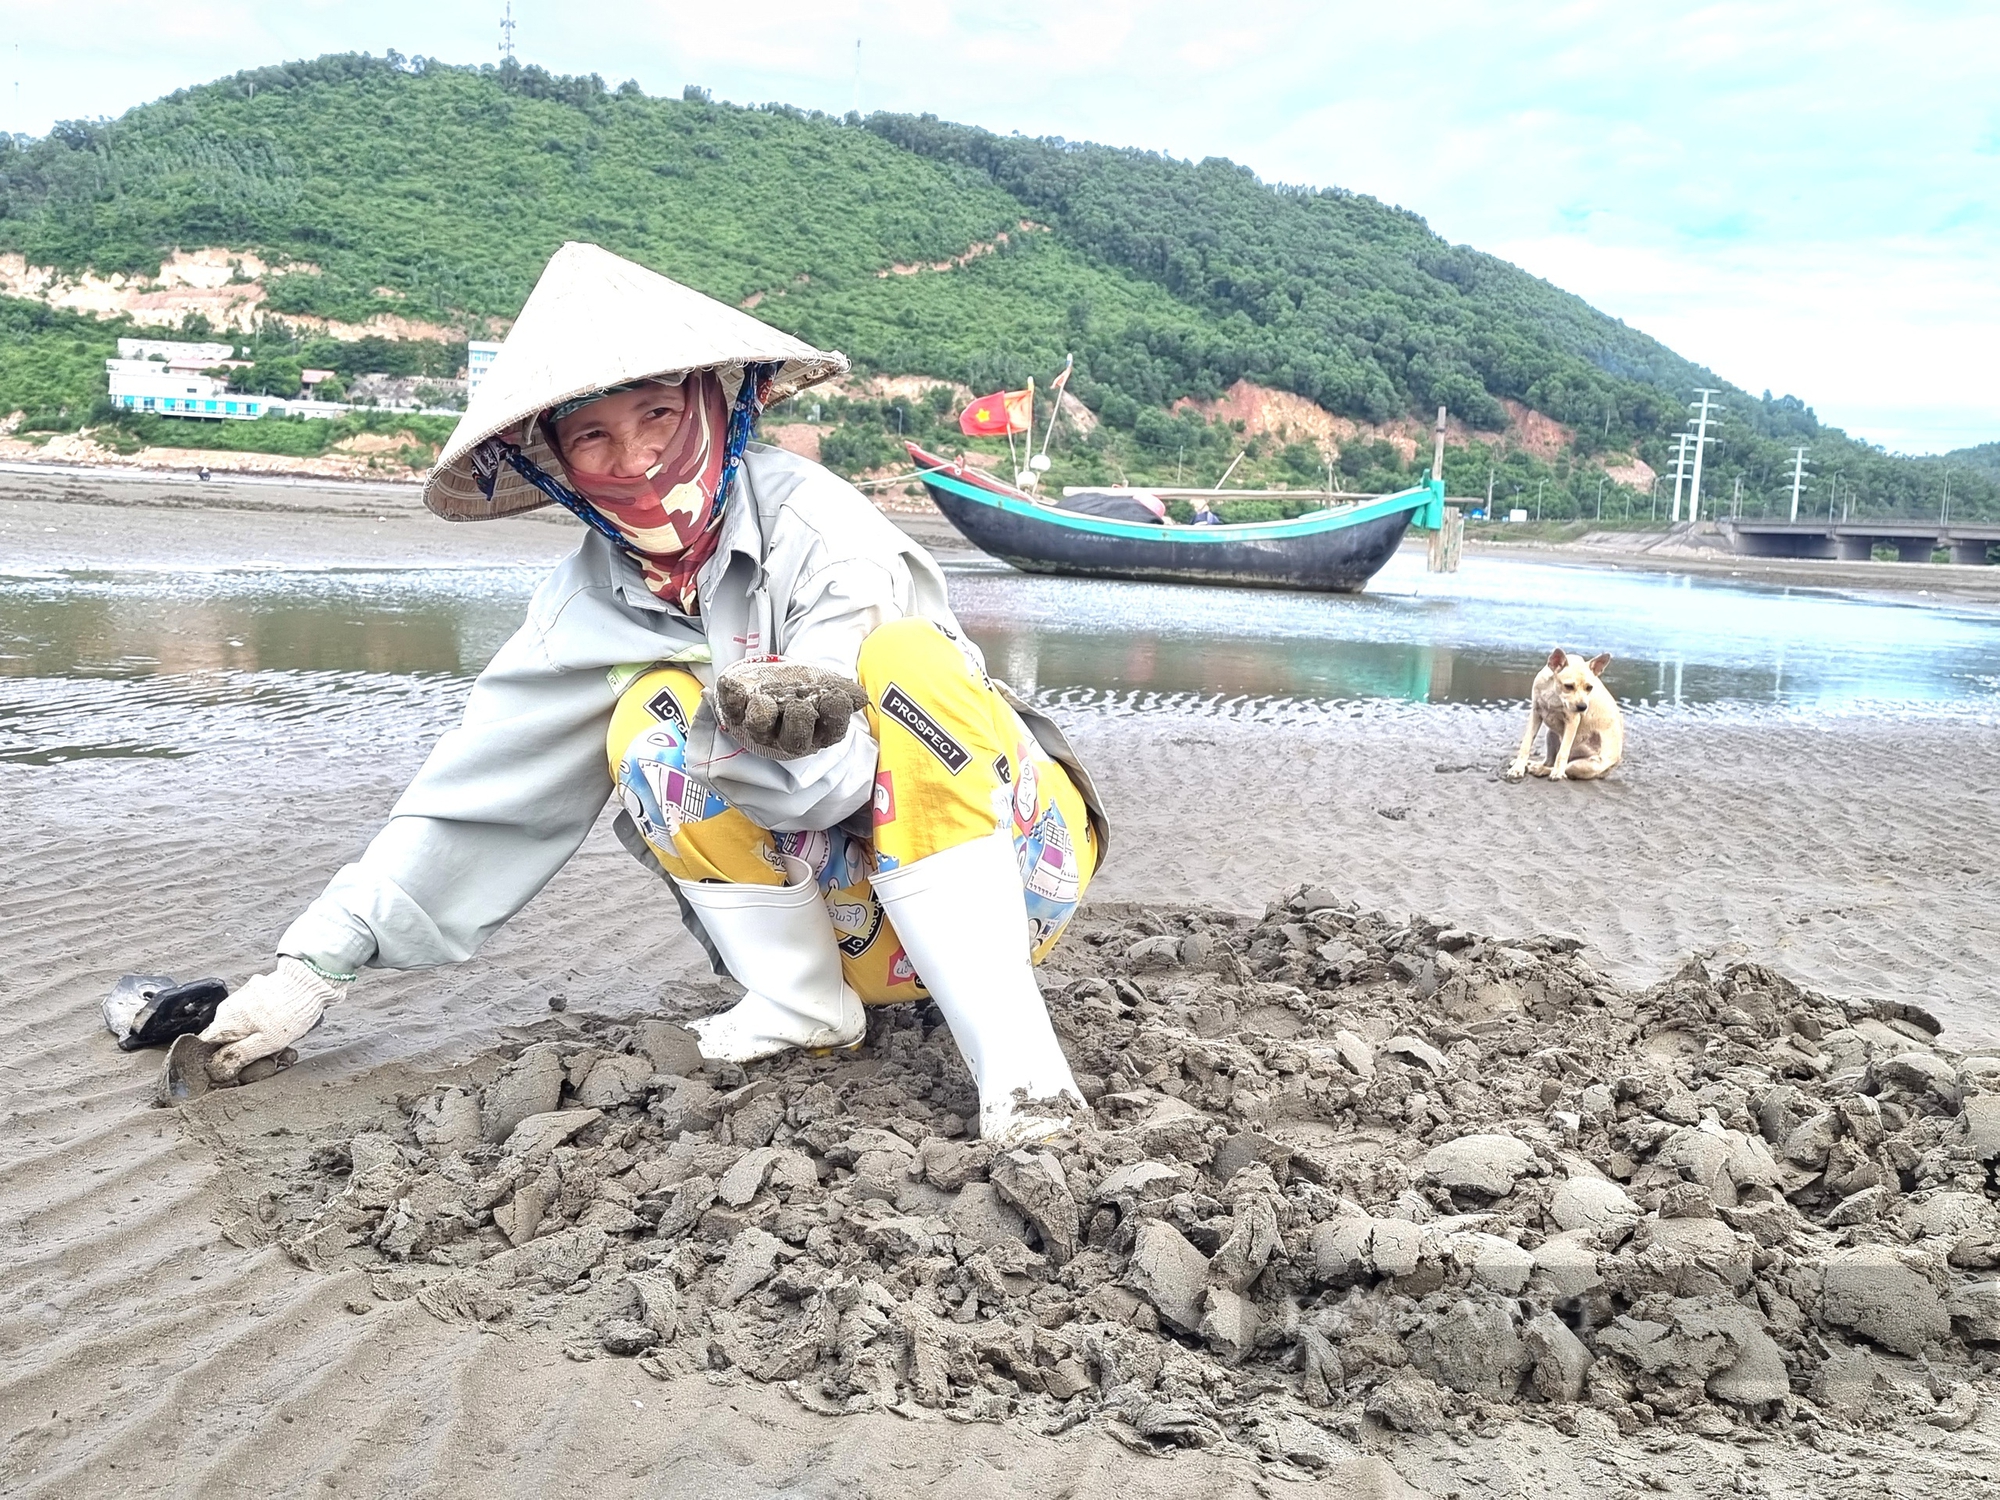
x=1331 y=553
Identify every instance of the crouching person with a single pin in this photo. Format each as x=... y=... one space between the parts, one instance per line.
x=765 y=671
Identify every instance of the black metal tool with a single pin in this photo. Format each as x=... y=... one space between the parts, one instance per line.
x=150 y=1010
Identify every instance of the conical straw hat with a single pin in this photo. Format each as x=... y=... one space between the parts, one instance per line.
x=595 y=320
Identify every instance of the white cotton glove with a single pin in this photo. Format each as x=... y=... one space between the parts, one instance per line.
x=784 y=710
x=267 y=1015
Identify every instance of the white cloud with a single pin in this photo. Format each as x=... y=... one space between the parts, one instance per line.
x=1904 y=359
x=1801 y=195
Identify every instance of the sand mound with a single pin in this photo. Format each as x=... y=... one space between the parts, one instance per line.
x=1342 y=1171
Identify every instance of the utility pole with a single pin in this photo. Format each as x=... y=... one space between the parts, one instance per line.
x=857 y=75
x=507 y=33
x=1944 y=507
x=1681 y=441
x=1798 y=478
x=1736 y=504
x=1700 y=443
x=1538 y=498
x=1600 y=497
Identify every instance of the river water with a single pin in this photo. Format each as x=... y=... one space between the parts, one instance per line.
x=167 y=663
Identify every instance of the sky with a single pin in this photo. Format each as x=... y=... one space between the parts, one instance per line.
x=1803 y=196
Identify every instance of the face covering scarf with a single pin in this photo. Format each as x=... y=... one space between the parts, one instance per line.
x=672 y=515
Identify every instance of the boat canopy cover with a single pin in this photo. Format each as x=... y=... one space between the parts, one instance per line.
x=1113 y=505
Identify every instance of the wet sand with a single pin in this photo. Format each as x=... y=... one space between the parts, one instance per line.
x=143 y=1349
x=82 y=519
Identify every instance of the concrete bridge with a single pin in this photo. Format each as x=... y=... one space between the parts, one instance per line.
x=1856 y=541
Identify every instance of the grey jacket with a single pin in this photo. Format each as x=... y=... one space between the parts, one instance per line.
x=806 y=568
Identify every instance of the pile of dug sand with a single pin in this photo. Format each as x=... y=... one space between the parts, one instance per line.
x=1343 y=1173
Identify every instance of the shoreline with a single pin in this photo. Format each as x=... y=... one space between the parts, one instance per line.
x=1958 y=582
x=303 y=493
x=136 y=474
x=294 y=521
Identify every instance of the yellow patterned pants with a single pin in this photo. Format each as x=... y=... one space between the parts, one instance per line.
x=954 y=763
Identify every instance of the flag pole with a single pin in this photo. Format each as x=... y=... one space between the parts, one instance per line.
x=1026 y=478
x=1055 y=411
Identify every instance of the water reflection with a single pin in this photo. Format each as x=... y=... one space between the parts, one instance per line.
x=1037 y=658
x=1479 y=636
x=419 y=620
x=157 y=663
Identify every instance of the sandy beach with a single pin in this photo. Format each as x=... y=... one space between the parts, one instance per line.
x=153 y=1339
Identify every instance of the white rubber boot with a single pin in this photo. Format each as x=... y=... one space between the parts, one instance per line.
x=963 y=922
x=778 y=943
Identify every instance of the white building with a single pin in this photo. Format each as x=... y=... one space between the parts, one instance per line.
x=147 y=385
x=479 y=359
x=166 y=377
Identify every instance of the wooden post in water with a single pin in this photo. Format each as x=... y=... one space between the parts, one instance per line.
x=1448 y=541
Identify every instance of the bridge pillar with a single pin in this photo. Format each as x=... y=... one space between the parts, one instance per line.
x=1855 y=548
x=1779 y=544
x=1973 y=552
x=1915 y=549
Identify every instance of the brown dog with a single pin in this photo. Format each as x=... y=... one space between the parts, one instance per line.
x=1586 y=730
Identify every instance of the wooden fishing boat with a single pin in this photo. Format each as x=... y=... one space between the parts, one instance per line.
x=1335 y=550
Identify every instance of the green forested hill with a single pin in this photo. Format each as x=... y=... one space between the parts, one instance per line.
x=437 y=192
x=1985 y=458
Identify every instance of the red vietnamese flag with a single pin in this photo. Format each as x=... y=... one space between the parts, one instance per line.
x=996 y=415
